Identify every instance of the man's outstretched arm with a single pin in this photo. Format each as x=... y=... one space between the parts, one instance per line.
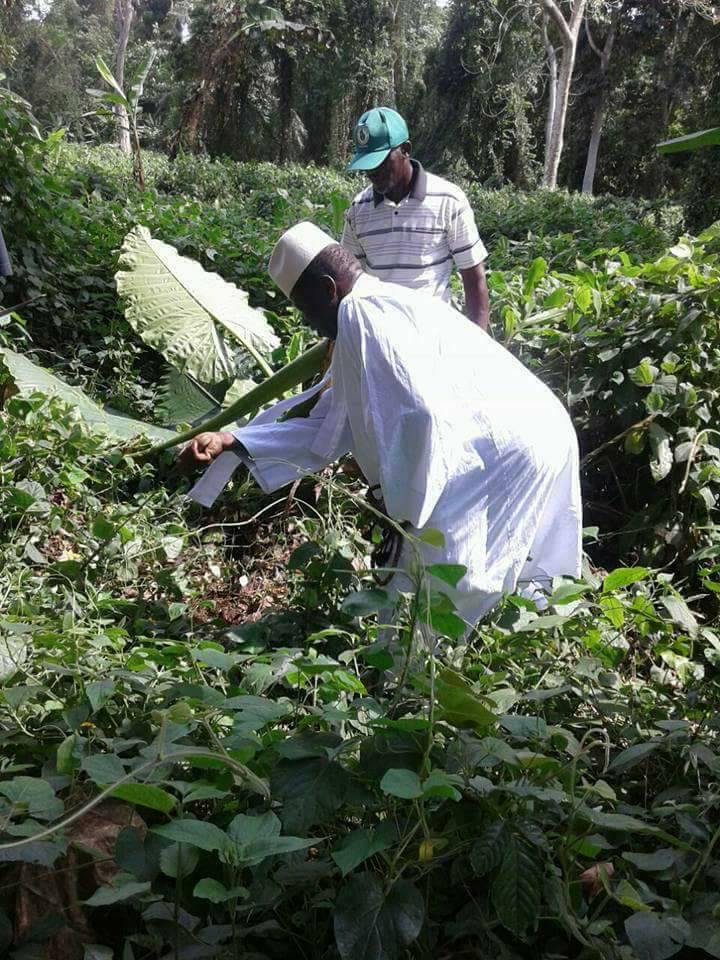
x=477 y=299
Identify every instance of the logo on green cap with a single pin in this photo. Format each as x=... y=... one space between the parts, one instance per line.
x=362 y=135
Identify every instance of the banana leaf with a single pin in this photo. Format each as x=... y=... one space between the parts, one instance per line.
x=691 y=141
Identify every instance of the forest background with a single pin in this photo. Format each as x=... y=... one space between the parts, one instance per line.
x=475 y=81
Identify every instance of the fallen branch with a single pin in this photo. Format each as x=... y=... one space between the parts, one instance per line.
x=640 y=425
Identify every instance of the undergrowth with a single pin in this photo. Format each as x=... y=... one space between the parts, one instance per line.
x=208 y=746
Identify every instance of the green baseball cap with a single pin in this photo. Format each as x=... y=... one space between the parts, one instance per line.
x=376 y=133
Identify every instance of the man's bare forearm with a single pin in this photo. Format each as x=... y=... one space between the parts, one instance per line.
x=477 y=299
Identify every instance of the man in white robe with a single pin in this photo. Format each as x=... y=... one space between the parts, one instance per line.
x=458 y=435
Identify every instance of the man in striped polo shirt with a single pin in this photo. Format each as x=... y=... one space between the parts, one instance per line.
x=409 y=226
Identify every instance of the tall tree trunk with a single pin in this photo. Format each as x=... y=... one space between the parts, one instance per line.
x=123 y=22
x=598 y=119
x=568 y=31
x=552 y=79
x=596 y=130
x=285 y=66
x=397 y=36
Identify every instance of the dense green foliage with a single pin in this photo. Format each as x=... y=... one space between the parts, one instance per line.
x=208 y=749
x=286 y=82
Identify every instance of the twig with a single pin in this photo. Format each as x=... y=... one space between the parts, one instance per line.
x=640 y=425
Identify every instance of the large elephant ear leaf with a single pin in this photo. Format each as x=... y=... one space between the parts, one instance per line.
x=194 y=318
x=27 y=378
x=180 y=399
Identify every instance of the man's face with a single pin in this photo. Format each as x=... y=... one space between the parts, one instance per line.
x=392 y=172
x=319 y=305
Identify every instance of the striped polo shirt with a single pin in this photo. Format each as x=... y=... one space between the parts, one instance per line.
x=416 y=241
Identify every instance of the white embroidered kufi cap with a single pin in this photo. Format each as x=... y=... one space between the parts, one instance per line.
x=295 y=249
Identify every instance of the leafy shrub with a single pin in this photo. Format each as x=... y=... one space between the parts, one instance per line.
x=632 y=349
x=549 y=785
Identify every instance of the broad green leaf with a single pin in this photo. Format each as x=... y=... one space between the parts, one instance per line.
x=99 y=692
x=28 y=378
x=547 y=622
x=567 y=593
x=705 y=934
x=180 y=399
x=557 y=298
x=311 y=790
x=359 y=845
x=691 y=141
x=624 y=577
x=105 y=896
x=517 y=887
x=538 y=269
x=433 y=538
x=371 y=924
x=487 y=853
x=656 y=937
x=108 y=76
x=440 y=784
x=628 y=824
x=146 y=795
x=363 y=603
x=197 y=833
x=14 y=651
x=216 y=892
x=446 y=623
x=237 y=390
x=103 y=768
x=103 y=529
x=655 y=862
x=680 y=614
x=179 y=860
x=257 y=838
x=460 y=705
x=254 y=713
x=525 y=727
x=40 y=852
x=402 y=783
x=632 y=755
x=138 y=82
x=450 y=573
x=613 y=610
x=33 y=795
x=194 y=318
x=215 y=658
x=643 y=374
x=130 y=853
x=583 y=297
x=65 y=761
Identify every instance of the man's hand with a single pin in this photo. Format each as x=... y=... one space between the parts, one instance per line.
x=204 y=449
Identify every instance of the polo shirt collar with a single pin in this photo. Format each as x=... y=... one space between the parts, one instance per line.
x=418 y=185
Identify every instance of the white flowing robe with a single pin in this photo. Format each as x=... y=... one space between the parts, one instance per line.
x=459 y=435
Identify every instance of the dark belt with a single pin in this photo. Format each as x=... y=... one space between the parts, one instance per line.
x=387 y=552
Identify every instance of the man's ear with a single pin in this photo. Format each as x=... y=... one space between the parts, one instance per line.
x=330 y=287
x=406 y=148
